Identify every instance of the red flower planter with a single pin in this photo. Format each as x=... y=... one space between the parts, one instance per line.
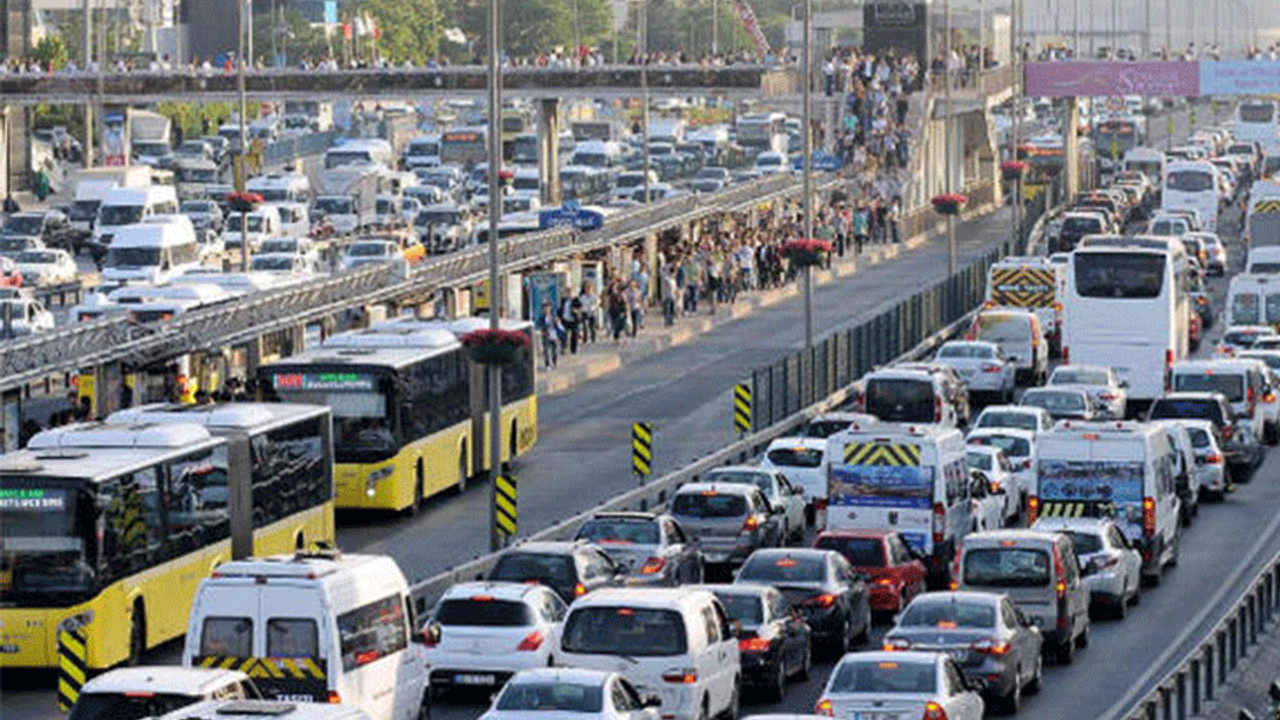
x=494 y=347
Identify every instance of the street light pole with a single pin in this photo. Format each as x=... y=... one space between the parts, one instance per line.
x=644 y=87
x=1014 y=10
x=946 y=147
x=806 y=75
x=494 y=371
x=242 y=176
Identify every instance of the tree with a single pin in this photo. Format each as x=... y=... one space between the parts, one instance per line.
x=296 y=39
x=531 y=27
x=410 y=29
x=50 y=52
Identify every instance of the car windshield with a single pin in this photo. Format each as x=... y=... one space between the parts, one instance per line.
x=606 y=630
x=1057 y=403
x=860 y=552
x=1186 y=408
x=709 y=504
x=1230 y=385
x=1011 y=445
x=825 y=428
x=552 y=697
x=1007 y=419
x=1076 y=376
x=119 y=214
x=438 y=217
x=483 y=611
x=747 y=609
x=132 y=257
x=619 y=531
x=783 y=569
x=1084 y=542
x=949 y=613
x=37 y=257
x=966 y=351
x=801 y=457
x=1189 y=180
x=1199 y=437
x=279 y=245
x=764 y=481
x=333 y=206
x=269 y=262
x=885 y=678
x=1006 y=567
x=196 y=207
x=368 y=250
x=24 y=225
x=998 y=329
x=523 y=567
x=979 y=460
x=234 y=221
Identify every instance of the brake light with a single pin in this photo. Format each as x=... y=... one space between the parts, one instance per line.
x=884 y=581
x=992 y=369
x=1213 y=459
x=1106 y=396
x=334 y=698
x=1226 y=432
x=1066 y=355
x=531 y=642
x=896 y=644
x=933 y=711
x=754 y=644
x=1148 y=516
x=1168 y=357
x=824 y=708
x=939 y=522
x=1269 y=398
x=1033 y=509
x=1061 y=572
x=681 y=676
x=579 y=589
x=992 y=647
x=751 y=523
x=653 y=565
x=937 y=409
x=824 y=600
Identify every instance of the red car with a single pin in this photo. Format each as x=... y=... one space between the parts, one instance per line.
x=897 y=574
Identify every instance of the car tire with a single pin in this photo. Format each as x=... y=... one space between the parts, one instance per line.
x=1082 y=641
x=844 y=642
x=1066 y=652
x=778 y=689
x=1121 y=608
x=1271 y=433
x=1034 y=684
x=1011 y=704
x=806 y=663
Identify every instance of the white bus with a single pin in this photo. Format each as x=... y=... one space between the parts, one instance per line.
x=1142 y=281
x=763 y=132
x=1146 y=160
x=1192 y=184
x=1257 y=120
x=281 y=187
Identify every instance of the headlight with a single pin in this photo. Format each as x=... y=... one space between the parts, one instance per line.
x=371 y=484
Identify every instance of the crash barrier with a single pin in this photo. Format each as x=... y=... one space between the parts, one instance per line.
x=1186 y=689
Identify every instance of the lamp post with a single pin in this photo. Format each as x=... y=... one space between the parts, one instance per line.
x=246 y=9
x=644 y=92
x=946 y=145
x=494 y=371
x=1014 y=26
x=806 y=75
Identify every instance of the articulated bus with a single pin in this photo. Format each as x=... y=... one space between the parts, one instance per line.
x=1142 y=280
x=110 y=526
x=402 y=400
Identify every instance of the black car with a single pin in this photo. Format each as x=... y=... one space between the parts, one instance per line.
x=1242 y=456
x=773 y=638
x=830 y=595
x=572 y=569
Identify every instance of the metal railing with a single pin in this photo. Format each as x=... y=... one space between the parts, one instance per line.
x=1186 y=689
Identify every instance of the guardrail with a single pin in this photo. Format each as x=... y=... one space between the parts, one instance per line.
x=915 y=338
x=1184 y=691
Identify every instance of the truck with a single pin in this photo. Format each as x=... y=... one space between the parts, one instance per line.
x=1262 y=218
x=1029 y=283
x=150 y=136
x=347 y=195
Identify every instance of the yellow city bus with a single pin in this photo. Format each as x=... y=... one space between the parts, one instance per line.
x=110 y=526
x=401 y=399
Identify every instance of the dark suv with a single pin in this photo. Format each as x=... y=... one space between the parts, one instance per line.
x=572 y=569
x=1215 y=408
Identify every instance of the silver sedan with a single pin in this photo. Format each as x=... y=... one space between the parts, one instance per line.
x=1108 y=392
x=982 y=365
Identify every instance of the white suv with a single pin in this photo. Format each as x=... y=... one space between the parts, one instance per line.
x=673 y=642
x=481 y=633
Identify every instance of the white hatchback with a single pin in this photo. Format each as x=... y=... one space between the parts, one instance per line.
x=803 y=460
x=481 y=633
x=899 y=684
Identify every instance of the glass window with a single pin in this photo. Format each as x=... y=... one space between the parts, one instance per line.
x=196 y=505
x=898 y=550
x=709 y=505
x=619 y=530
x=1119 y=275
x=900 y=400
x=292 y=637
x=801 y=457
x=552 y=696
x=291 y=472
x=1009 y=419
x=521 y=567
x=372 y=632
x=948 y=613
x=1012 y=446
x=783 y=569
x=119 y=706
x=866 y=676
x=1006 y=567
x=135 y=522
x=1085 y=543
x=712 y=626
x=1189 y=181
x=745 y=608
x=484 y=612
x=227 y=637
x=1230 y=385
x=861 y=552
x=631 y=631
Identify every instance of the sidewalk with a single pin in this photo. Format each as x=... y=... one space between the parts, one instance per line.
x=603 y=357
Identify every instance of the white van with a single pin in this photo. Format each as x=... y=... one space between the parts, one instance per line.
x=912 y=479
x=152 y=252
x=143 y=691
x=129 y=206
x=332 y=628
x=258 y=709
x=1263 y=260
x=263 y=223
x=1123 y=469
x=295 y=218
x=675 y=642
x=1254 y=299
x=363 y=151
x=422 y=152
x=1021 y=337
x=281 y=187
x=908 y=395
x=1244 y=382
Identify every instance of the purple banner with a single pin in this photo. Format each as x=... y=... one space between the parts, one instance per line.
x=1093 y=79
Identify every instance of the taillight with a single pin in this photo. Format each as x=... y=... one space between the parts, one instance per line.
x=1269 y=398
x=751 y=523
x=334 y=698
x=992 y=369
x=1066 y=355
x=1226 y=432
x=992 y=647
x=531 y=642
x=937 y=409
x=825 y=600
x=579 y=589
x=824 y=708
x=1213 y=459
x=681 y=676
x=754 y=644
x=939 y=522
x=1106 y=396
x=1061 y=572
x=1168 y=357
x=653 y=565
x=1148 y=516
x=933 y=711
x=1033 y=509
x=896 y=644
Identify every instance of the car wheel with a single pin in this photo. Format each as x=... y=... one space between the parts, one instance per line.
x=1012 y=703
x=806 y=663
x=1066 y=651
x=1083 y=640
x=779 y=687
x=843 y=643
x=1121 y=608
x=1033 y=686
x=1272 y=433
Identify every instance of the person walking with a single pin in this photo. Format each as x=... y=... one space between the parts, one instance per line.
x=570 y=309
x=590 y=311
x=635 y=307
x=670 y=290
x=616 y=308
x=861 y=223
x=550 y=330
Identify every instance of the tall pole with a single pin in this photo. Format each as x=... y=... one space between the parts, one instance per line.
x=715 y=28
x=246 y=9
x=806 y=75
x=88 y=106
x=1014 y=11
x=1168 y=29
x=1076 y=32
x=495 y=212
x=1146 y=29
x=644 y=87
x=946 y=147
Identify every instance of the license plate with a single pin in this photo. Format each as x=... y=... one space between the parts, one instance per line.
x=958 y=654
x=295 y=698
x=475 y=680
x=874 y=715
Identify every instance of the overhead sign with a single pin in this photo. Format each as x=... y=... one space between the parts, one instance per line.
x=1239 y=77
x=571 y=214
x=323 y=381
x=1155 y=78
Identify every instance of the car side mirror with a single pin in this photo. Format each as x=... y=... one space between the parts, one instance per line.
x=1124 y=384
x=430 y=635
x=650 y=701
x=797 y=491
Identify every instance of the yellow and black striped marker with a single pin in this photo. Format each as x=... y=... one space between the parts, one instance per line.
x=742 y=408
x=642 y=449
x=1076 y=509
x=73 y=663
x=297 y=668
x=1266 y=206
x=505 y=504
x=872 y=453
x=1023 y=287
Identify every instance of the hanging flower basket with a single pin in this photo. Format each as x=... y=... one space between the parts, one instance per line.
x=505 y=178
x=243 y=201
x=1013 y=169
x=806 y=252
x=949 y=203
x=494 y=347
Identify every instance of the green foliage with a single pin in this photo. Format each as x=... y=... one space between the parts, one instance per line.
x=200 y=119
x=411 y=29
x=295 y=38
x=50 y=52
x=530 y=27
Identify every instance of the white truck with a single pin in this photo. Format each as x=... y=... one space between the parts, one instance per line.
x=150 y=136
x=347 y=196
x=1030 y=283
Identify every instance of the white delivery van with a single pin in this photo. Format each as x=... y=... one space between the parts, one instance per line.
x=151 y=252
x=144 y=691
x=128 y=206
x=1244 y=382
x=1121 y=469
x=911 y=479
x=1263 y=260
x=262 y=224
x=323 y=627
